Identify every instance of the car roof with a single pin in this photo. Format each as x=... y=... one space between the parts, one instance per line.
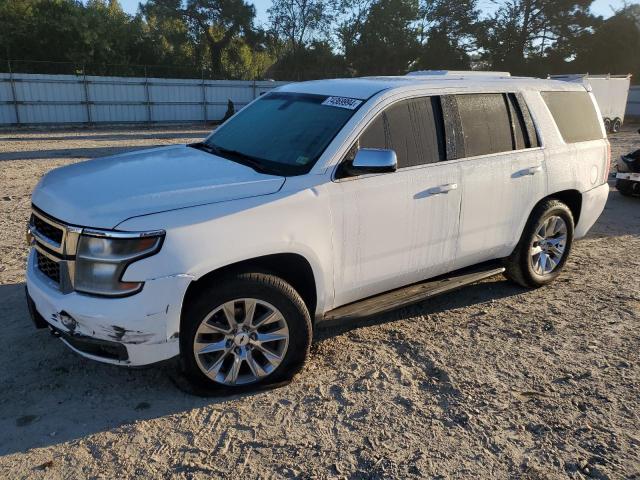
x=366 y=87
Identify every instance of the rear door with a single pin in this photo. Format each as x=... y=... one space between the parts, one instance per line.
x=502 y=172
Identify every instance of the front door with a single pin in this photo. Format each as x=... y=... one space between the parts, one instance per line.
x=395 y=229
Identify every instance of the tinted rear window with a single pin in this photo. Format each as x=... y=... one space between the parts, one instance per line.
x=486 y=124
x=575 y=115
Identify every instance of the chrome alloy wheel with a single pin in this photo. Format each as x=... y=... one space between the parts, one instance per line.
x=548 y=246
x=241 y=341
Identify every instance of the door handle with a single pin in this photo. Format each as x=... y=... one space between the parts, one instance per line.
x=534 y=170
x=446 y=188
x=436 y=190
x=442 y=189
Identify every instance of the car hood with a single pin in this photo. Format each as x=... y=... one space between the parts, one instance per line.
x=104 y=192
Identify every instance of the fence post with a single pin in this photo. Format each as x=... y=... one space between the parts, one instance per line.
x=86 y=94
x=13 y=92
x=254 y=88
x=204 y=99
x=146 y=93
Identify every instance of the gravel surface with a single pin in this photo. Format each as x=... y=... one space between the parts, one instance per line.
x=490 y=381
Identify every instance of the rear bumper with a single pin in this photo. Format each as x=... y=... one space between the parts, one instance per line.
x=138 y=330
x=593 y=202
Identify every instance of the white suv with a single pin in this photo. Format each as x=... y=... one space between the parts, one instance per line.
x=320 y=200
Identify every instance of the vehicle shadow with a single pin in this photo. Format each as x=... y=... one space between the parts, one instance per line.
x=495 y=288
x=621 y=216
x=50 y=395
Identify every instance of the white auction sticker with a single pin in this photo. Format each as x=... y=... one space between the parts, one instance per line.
x=342 y=102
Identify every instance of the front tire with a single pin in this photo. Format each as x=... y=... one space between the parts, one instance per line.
x=245 y=330
x=544 y=247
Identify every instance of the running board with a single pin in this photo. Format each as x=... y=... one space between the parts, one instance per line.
x=409 y=295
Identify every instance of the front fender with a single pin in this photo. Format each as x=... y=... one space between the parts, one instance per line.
x=202 y=239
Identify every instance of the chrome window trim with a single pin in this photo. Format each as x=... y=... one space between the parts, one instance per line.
x=93 y=232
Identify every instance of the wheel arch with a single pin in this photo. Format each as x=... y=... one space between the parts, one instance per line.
x=293 y=268
x=571 y=198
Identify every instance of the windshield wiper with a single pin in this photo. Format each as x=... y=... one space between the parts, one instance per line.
x=233 y=155
x=242 y=158
x=202 y=146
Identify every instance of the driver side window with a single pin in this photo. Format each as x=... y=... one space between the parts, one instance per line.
x=414 y=129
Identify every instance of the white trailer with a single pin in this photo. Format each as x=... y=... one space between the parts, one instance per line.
x=611 y=92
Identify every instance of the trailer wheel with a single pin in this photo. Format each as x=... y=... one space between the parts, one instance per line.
x=607 y=125
x=616 y=125
x=627 y=187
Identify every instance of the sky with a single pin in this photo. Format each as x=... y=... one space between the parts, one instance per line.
x=600 y=7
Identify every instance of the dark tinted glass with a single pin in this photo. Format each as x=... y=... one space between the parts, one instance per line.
x=575 y=115
x=520 y=136
x=375 y=136
x=524 y=116
x=285 y=132
x=486 y=124
x=412 y=128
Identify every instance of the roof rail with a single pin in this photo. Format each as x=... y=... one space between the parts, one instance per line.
x=457 y=73
x=587 y=75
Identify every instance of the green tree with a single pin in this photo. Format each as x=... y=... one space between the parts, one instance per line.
x=614 y=45
x=299 y=22
x=448 y=34
x=218 y=22
x=522 y=32
x=166 y=35
x=387 y=43
x=40 y=29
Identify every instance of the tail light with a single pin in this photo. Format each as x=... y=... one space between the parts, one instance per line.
x=608 y=168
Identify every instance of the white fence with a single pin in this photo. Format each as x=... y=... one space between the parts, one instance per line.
x=27 y=99
x=633 y=104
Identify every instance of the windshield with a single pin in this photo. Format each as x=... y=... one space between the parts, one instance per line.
x=283 y=133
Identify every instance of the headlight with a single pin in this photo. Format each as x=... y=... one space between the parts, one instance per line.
x=102 y=259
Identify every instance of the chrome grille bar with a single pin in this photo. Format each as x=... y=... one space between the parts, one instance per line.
x=42 y=228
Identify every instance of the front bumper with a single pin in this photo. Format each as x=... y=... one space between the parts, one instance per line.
x=145 y=325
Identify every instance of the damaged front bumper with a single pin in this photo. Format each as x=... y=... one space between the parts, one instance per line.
x=138 y=330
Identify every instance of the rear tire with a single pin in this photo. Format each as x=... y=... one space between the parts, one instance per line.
x=544 y=247
x=607 y=125
x=244 y=331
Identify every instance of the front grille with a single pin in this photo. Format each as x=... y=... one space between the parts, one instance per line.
x=52 y=233
x=47 y=266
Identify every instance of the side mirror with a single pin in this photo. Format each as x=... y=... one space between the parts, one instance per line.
x=373 y=160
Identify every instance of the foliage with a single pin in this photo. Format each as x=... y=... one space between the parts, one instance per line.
x=620 y=35
x=316 y=38
x=387 y=43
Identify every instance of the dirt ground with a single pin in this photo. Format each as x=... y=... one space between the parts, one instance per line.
x=490 y=381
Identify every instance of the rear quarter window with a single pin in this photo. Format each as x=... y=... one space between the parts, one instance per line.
x=575 y=115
